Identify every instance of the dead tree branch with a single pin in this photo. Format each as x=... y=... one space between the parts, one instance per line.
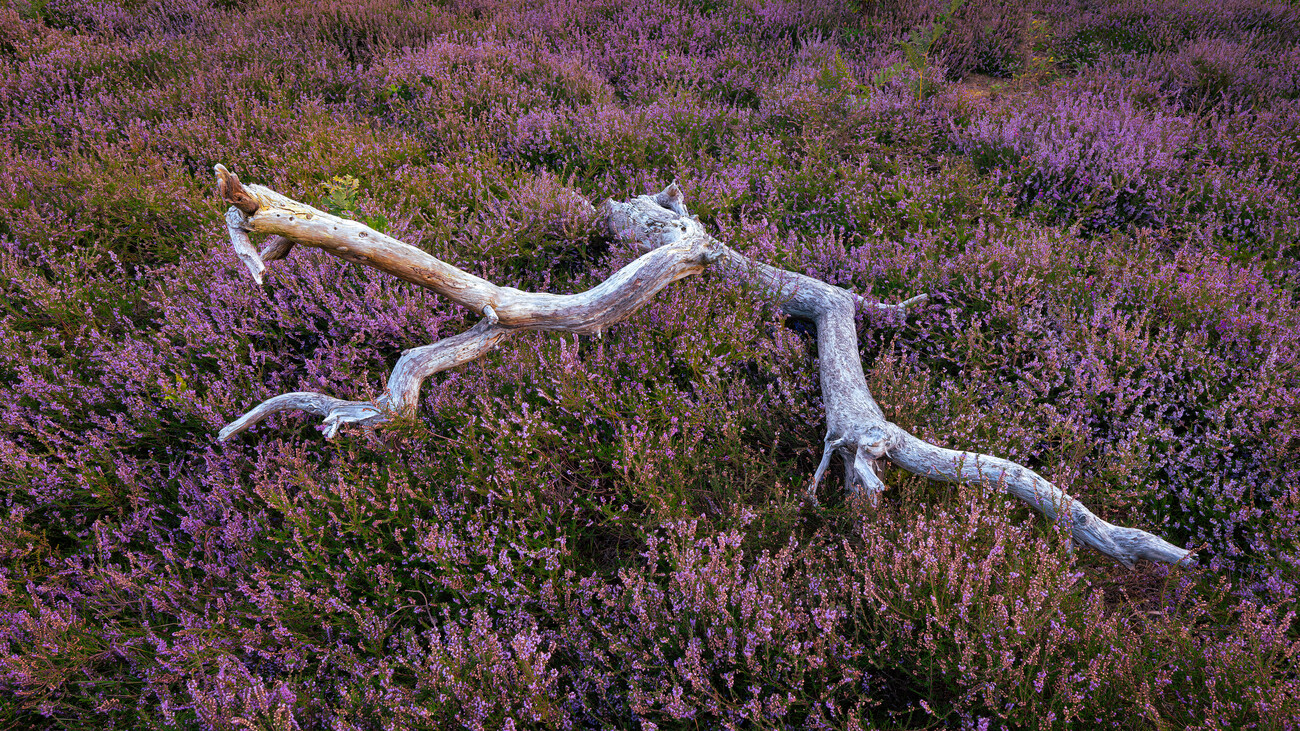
x=674 y=245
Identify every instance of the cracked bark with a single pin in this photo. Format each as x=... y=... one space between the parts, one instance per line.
x=674 y=245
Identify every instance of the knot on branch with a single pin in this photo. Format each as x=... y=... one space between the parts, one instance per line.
x=875 y=442
x=672 y=199
x=713 y=254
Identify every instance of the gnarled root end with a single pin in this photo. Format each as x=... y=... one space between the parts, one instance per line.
x=861 y=453
x=233 y=191
x=243 y=205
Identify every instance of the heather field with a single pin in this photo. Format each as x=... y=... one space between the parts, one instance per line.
x=609 y=532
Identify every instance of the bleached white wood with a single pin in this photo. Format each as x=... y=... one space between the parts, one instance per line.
x=674 y=245
x=403 y=391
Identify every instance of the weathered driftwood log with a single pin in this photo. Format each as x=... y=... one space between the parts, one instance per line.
x=675 y=245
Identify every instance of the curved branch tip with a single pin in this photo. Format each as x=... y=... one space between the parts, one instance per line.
x=336 y=412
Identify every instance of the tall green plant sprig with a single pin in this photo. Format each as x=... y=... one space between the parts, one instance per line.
x=916 y=50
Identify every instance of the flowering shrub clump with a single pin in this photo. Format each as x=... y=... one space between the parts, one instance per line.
x=609 y=532
x=1091 y=156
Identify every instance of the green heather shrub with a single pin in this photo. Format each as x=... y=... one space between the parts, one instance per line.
x=106 y=202
x=361 y=32
x=965 y=36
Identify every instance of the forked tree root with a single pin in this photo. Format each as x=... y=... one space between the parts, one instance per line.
x=674 y=245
